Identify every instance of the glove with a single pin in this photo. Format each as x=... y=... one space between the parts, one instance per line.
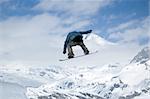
x=89 y=31
x=64 y=52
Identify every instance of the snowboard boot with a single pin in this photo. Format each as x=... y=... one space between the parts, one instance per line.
x=86 y=52
x=70 y=57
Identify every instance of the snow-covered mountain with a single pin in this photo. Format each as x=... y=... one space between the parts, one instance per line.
x=142 y=56
x=107 y=82
x=95 y=39
x=97 y=76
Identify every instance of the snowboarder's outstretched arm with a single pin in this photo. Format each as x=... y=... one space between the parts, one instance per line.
x=86 y=32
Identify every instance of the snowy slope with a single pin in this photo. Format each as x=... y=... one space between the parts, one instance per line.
x=94 y=40
x=142 y=56
x=107 y=82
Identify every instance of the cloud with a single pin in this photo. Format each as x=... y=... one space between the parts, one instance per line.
x=119 y=16
x=2 y=1
x=123 y=26
x=28 y=38
x=65 y=15
x=73 y=7
x=35 y=36
x=39 y=25
x=131 y=32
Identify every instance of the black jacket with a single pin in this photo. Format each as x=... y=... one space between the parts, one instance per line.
x=72 y=35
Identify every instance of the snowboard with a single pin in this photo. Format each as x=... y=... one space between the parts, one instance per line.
x=78 y=56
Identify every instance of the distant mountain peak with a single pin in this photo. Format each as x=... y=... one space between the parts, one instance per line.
x=97 y=39
x=142 y=56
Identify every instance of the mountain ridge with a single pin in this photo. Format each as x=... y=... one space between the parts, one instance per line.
x=142 y=56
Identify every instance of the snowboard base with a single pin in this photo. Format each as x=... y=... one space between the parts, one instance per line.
x=78 y=56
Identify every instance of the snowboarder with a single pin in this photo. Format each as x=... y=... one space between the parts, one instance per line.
x=75 y=38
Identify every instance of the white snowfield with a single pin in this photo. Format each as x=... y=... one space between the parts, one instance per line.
x=110 y=82
x=112 y=73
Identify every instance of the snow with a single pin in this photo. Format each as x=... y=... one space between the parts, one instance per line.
x=143 y=97
x=97 y=40
x=143 y=55
x=97 y=80
x=12 y=90
x=106 y=74
x=133 y=74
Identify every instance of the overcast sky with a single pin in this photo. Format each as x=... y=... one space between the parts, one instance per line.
x=27 y=22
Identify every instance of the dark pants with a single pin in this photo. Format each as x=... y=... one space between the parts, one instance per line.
x=70 y=51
